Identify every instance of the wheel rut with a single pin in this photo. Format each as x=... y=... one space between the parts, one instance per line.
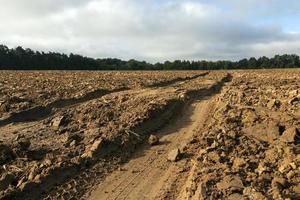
x=148 y=174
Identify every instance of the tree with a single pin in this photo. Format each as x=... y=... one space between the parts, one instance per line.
x=252 y=63
x=20 y=58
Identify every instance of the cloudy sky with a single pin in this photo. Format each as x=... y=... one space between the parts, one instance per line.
x=154 y=30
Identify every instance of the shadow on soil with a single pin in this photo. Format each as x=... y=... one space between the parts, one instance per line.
x=42 y=112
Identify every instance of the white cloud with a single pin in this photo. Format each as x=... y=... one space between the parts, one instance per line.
x=146 y=29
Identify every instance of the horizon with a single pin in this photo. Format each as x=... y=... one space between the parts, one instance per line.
x=154 y=31
x=152 y=63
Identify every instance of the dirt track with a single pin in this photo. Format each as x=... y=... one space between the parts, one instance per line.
x=149 y=175
x=118 y=115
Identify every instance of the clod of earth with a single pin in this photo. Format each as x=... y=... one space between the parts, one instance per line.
x=58 y=121
x=230 y=182
x=238 y=163
x=153 y=140
x=93 y=149
x=291 y=135
x=267 y=132
x=174 y=155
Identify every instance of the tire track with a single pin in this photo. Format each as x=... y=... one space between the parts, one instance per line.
x=154 y=177
x=96 y=173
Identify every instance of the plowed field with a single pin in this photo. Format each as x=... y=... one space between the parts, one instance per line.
x=150 y=135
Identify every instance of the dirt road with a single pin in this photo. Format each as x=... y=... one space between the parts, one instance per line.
x=149 y=175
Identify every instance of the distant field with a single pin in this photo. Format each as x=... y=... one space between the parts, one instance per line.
x=20 y=90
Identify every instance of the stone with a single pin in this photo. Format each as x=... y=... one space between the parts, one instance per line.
x=249 y=116
x=153 y=140
x=173 y=155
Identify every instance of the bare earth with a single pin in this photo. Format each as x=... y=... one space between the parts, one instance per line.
x=149 y=175
x=85 y=135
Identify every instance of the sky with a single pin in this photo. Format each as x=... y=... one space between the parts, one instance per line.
x=154 y=30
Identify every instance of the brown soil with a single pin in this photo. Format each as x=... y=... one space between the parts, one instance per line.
x=22 y=90
x=213 y=136
x=250 y=150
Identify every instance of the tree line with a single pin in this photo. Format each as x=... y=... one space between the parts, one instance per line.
x=26 y=59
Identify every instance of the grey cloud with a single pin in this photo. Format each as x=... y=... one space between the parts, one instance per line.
x=150 y=30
